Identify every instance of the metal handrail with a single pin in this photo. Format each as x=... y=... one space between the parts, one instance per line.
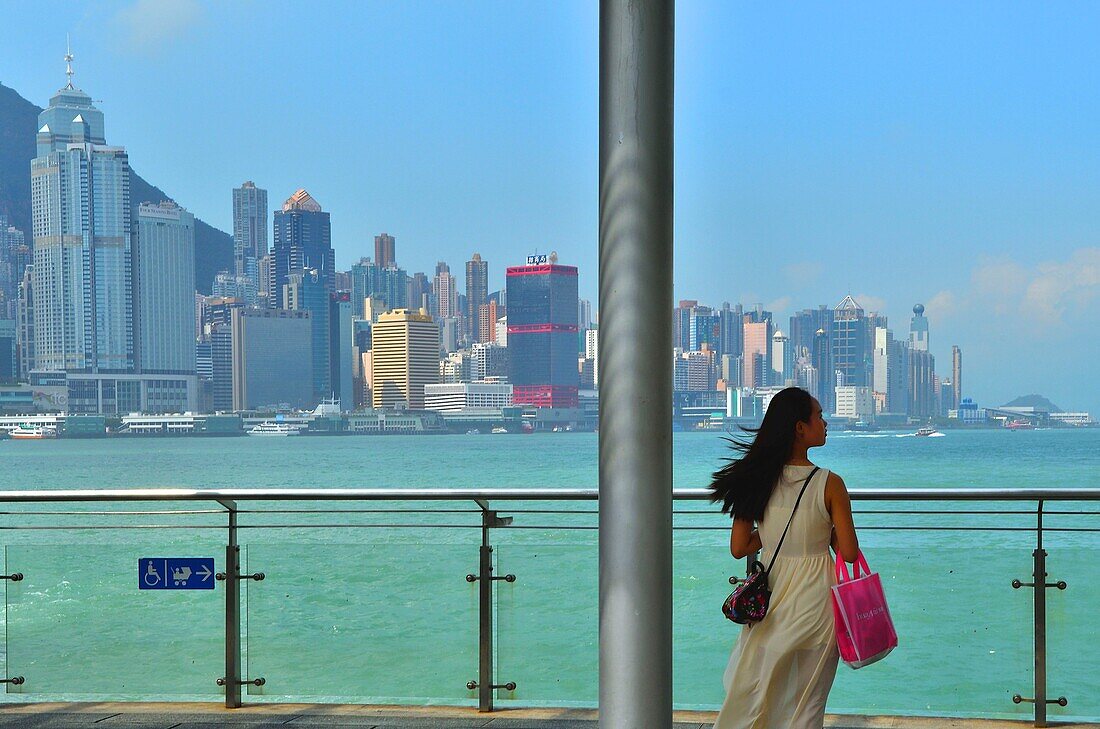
x=508 y=494
x=229 y=499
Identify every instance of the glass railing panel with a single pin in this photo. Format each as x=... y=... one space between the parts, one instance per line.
x=547 y=622
x=379 y=621
x=1073 y=665
x=964 y=635
x=702 y=637
x=77 y=624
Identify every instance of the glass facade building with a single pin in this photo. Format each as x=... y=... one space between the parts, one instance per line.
x=306 y=291
x=303 y=239
x=80 y=209
x=165 y=289
x=542 y=335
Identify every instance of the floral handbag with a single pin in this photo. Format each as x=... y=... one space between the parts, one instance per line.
x=748 y=603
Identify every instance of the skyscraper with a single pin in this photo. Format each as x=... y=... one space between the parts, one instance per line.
x=15 y=256
x=477 y=293
x=303 y=239
x=756 y=363
x=404 y=358
x=419 y=291
x=542 y=333
x=730 y=330
x=385 y=252
x=852 y=343
x=918 y=330
x=271 y=358
x=389 y=285
x=446 y=292
x=305 y=290
x=80 y=201
x=164 y=257
x=956 y=375
x=249 y=228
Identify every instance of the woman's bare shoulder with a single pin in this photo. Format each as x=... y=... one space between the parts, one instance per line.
x=835 y=484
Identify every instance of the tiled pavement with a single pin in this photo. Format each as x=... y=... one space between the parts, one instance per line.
x=207 y=716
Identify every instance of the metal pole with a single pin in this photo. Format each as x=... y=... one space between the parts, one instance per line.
x=1040 y=621
x=485 y=617
x=636 y=183
x=232 y=615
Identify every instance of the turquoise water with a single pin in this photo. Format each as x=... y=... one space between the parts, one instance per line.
x=385 y=613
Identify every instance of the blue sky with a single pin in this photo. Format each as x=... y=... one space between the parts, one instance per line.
x=929 y=152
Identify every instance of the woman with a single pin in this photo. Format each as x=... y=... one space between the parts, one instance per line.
x=782 y=668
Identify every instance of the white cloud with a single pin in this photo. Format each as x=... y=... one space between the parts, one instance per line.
x=1043 y=294
x=150 y=25
x=870 y=303
x=803 y=273
x=941 y=306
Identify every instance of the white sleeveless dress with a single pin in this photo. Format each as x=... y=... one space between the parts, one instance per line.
x=782 y=668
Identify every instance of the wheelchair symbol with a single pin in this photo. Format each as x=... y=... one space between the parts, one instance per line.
x=151 y=576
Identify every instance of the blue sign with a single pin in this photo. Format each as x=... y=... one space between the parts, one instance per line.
x=176 y=573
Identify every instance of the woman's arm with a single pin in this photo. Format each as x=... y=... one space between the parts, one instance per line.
x=744 y=540
x=839 y=505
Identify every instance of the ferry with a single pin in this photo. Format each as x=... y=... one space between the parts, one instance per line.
x=1019 y=425
x=499 y=430
x=926 y=431
x=271 y=428
x=32 y=432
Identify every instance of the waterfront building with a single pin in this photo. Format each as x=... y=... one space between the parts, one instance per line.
x=24 y=318
x=80 y=208
x=852 y=343
x=404 y=358
x=385 y=250
x=681 y=324
x=446 y=292
x=164 y=288
x=419 y=292
x=956 y=375
x=822 y=361
x=272 y=359
x=891 y=372
x=542 y=333
x=342 y=349
x=265 y=299
x=249 y=230
x=9 y=348
x=245 y=288
x=584 y=314
x=592 y=352
x=303 y=240
x=918 y=330
x=782 y=358
x=730 y=330
x=488 y=361
x=703 y=328
x=922 y=386
x=305 y=290
x=459 y=396
x=854 y=402
x=487 y=321
x=477 y=293
x=221 y=367
x=756 y=362
x=15 y=256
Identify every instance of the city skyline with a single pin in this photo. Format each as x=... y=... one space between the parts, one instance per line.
x=958 y=212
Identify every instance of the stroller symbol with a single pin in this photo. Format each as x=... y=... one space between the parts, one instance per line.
x=180 y=575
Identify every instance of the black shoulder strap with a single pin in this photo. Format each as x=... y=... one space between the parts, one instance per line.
x=796 y=503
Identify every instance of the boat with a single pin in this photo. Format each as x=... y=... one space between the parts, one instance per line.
x=926 y=431
x=272 y=428
x=1019 y=425
x=498 y=430
x=473 y=431
x=32 y=432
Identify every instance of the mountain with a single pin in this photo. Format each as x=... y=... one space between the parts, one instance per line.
x=18 y=126
x=1033 y=401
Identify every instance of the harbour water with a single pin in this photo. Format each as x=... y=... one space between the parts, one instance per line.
x=384 y=613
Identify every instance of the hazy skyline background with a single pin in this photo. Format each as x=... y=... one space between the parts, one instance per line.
x=937 y=153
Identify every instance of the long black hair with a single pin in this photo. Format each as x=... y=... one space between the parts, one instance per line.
x=745 y=484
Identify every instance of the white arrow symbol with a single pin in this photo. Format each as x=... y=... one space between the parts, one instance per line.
x=204 y=573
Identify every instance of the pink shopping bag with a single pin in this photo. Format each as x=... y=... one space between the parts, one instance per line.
x=864 y=630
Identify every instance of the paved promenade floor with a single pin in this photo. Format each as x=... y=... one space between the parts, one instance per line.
x=207 y=716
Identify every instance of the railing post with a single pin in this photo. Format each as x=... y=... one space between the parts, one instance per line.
x=1039 y=623
x=232 y=678
x=484 y=684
